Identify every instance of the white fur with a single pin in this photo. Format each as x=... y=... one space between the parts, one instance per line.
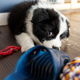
x=56 y=42
x=25 y=41
x=63 y=27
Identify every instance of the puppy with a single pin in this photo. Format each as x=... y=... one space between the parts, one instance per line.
x=36 y=22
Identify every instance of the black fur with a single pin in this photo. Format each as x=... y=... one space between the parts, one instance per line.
x=16 y=20
x=45 y=21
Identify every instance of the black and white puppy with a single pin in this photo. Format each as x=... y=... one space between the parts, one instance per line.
x=37 y=22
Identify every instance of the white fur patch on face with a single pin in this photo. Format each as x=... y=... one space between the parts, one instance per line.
x=54 y=42
x=25 y=41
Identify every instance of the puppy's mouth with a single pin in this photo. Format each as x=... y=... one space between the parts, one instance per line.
x=55 y=48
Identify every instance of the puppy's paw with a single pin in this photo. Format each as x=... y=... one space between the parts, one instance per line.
x=26 y=47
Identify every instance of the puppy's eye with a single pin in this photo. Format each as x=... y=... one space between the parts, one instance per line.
x=50 y=34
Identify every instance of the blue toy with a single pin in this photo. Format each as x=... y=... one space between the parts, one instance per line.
x=39 y=63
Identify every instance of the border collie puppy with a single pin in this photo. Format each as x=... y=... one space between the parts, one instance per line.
x=37 y=22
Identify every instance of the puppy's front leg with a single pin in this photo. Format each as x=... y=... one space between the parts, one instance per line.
x=24 y=41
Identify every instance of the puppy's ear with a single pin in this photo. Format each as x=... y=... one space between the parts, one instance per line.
x=68 y=34
x=68 y=31
x=39 y=15
x=53 y=15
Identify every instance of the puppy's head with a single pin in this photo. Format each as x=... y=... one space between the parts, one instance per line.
x=50 y=26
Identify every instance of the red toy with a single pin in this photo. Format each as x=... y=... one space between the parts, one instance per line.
x=9 y=50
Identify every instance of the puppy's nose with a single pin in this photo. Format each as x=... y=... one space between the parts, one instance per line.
x=55 y=47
